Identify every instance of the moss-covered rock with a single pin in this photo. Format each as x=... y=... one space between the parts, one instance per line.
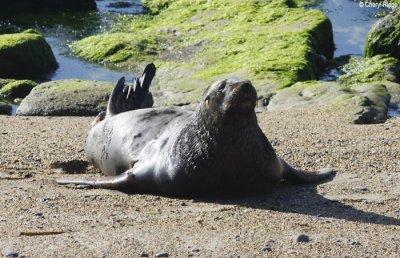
x=17 y=89
x=368 y=70
x=71 y=97
x=367 y=102
x=384 y=36
x=194 y=43
x=25 y=55
x=115 y=47
x=34 y=5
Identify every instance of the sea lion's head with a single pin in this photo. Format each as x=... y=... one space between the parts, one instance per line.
x=232 y=99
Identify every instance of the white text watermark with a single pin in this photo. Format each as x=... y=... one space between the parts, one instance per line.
x=382 y=4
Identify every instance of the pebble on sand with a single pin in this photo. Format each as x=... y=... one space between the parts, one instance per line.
x=303 y=238
x=162 y=255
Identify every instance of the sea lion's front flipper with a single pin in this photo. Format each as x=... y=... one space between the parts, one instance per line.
x=125 y=97
x=293 y=175
x=124 y=181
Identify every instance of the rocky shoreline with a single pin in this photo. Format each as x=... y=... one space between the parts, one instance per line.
x=294 y=47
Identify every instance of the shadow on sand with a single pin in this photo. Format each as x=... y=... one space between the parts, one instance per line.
x=304 y=199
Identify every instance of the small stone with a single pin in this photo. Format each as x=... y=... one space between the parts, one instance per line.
x=144 y=254
x=183 y=204
x=39 y=214
x=267 y=248
x=12 y=254
x=360 y=188
x=355 y=243
x=196 y=250
x=303 y=238
x=162 y=255
x=45 y=199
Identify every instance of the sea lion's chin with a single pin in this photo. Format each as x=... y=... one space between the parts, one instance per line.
x=241 y=109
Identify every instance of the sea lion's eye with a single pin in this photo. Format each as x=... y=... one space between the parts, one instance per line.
x=222 y=86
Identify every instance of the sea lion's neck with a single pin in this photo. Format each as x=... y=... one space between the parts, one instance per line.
x=215 y=143
x=221 y=127
x=210 y=132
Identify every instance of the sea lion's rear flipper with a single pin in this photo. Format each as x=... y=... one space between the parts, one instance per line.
x=125 y=97
x=293 y=175
x=124 y=181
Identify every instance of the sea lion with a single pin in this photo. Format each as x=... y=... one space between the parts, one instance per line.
x=217 y=150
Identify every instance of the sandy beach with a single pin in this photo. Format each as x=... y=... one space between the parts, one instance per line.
x=355 y=213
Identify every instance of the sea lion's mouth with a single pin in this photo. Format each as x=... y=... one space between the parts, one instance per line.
x=240 y=107
x=243 y=97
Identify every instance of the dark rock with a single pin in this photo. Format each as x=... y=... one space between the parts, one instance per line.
x=47 y=5
x=360 y=189
x=321 y=62
x=162 y=254
x=120 y=5
x=25 y=55
x=267 y=248
x=303 y=238
x=69 y=98
x=12 y=254
x=267 y=99
x=17 y=89
x=384 y=36
x=5 y=109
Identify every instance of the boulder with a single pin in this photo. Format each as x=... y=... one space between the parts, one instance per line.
x=17 y=89
x=384 y=36
x=25 y=55
x=364 y=70
x=194 y=43
x=367 y=102
x=73 y=97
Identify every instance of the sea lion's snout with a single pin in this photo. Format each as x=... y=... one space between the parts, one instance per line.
x=242 y=95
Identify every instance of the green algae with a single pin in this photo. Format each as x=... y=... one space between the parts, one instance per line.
x=384 y=37
x=75 y=85
x=115 y=47
x=272 y=43
x=25 y=54
x=367 y=102
x=368 y=70
x=17 y=89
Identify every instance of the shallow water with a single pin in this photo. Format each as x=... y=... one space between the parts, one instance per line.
x=394 y=109
x=351 y=24
x=75 y=68
x=61 y=29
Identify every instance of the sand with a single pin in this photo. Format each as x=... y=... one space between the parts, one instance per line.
x=355 y=213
